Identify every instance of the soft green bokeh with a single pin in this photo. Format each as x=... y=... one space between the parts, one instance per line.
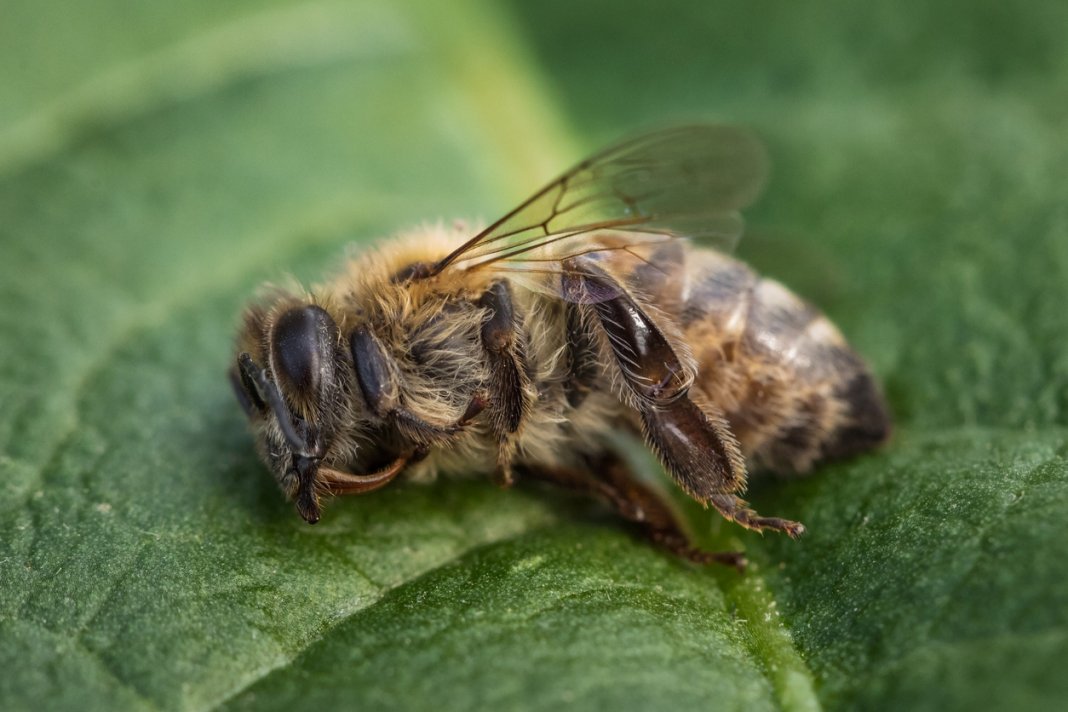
x=157 y=161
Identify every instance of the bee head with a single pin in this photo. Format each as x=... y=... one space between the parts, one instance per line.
x=288 y=390
x=345 y=410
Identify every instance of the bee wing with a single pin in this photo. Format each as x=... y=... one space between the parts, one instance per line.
x=689 y=181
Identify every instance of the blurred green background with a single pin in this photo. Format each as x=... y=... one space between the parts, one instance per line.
x=159 y=160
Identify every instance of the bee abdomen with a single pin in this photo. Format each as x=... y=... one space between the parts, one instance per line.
x=867 y=423
x=793 y=391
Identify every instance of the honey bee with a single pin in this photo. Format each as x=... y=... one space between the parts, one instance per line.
x=605 y=302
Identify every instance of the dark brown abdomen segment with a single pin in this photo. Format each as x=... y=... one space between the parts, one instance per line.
x=867 y=423
x=794 y=391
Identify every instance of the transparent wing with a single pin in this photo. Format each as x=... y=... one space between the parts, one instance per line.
x=689 y=181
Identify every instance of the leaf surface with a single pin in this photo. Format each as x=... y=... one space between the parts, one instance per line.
x=157 y=164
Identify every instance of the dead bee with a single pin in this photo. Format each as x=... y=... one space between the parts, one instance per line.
x=583 y=311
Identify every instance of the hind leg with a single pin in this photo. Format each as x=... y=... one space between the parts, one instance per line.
x=693 y=441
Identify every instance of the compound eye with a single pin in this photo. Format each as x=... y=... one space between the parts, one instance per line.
x=302 y=347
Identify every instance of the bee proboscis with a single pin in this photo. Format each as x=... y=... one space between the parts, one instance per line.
x=605 y=301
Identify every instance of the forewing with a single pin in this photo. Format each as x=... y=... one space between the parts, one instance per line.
x=682 y=182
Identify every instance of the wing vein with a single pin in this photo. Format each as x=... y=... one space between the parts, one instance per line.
x=683 y=182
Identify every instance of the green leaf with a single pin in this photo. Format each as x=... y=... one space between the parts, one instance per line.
x=157 y=163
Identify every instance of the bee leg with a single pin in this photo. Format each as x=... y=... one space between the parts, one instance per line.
x=736 y=510
x=694 y=444
x=659 y=520
x=582 y=365
x=504 y=474
x=636 y=503
x=692 y=441
x=375 y=376
x=678 y=544
x=509 y=383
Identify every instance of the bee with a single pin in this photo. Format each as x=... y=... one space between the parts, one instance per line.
x=606 y=302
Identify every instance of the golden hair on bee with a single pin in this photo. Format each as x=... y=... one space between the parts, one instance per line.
x=604 y=302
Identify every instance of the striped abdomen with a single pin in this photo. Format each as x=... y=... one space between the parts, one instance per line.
x=793 y=391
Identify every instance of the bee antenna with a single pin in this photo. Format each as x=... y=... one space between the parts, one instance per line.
x=269 y=392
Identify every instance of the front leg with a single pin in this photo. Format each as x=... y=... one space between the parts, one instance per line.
x=694 y=443
x=375 y=375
